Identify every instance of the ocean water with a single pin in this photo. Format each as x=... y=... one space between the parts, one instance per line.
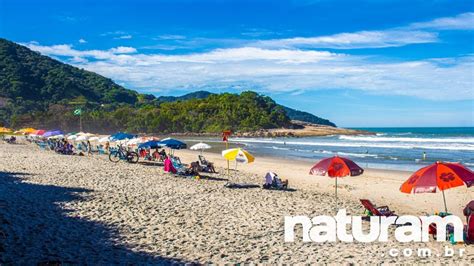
x=390 y=148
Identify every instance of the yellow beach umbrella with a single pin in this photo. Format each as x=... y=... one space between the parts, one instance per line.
x=5 y=130
x=238 y=155
x=28 y=130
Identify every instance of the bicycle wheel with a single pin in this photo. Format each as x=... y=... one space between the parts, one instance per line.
x=132 y=157
x=114 y=157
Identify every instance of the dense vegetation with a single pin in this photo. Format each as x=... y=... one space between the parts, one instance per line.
x=291 y=113
x=306 y=117
x=41 y=92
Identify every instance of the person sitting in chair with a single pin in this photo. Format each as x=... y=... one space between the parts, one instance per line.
x=207 y=166
x=273 y=181
x=162 y=154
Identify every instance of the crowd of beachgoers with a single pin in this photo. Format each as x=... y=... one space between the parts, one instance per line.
x=88 y=200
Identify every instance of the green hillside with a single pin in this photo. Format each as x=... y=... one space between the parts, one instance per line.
x=42 y=92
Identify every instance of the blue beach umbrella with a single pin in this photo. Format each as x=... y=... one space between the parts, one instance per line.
x=121 y=136
x=152 y=144
x=53 y=133
x=173 y=143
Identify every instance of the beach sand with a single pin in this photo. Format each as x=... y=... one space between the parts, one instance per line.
x=88 y=210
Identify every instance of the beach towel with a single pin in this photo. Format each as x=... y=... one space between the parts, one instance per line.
x=169 y=166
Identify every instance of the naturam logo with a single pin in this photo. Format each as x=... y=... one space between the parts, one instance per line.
x=411 y=228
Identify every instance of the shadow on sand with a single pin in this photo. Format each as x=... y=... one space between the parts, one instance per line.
x=36 y=228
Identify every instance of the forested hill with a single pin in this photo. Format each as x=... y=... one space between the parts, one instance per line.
x=293 y=114
x=30 y=79
x=42 y=92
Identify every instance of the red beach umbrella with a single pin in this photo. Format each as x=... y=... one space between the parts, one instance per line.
x=39 y=132
x=336 y=167
x=438 y=176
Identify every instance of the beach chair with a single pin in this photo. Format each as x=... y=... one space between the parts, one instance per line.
x=469 y=209
x=42 y=145
x=376 y=211
x=206 y=165
x=100 y=149
x=470 y=229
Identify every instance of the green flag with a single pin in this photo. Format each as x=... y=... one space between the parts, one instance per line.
x=78 y=111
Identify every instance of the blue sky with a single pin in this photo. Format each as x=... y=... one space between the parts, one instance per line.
x=357 y=63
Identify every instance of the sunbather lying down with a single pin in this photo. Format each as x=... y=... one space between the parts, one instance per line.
x=272 y=181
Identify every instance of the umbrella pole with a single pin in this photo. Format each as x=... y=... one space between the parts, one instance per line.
x=444 y=199
x=228 y=163
x=336 y=194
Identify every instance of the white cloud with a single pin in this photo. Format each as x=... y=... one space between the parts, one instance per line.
x=361 y=39
x=415 y=33
x=81 y=40
x=124 y=37
x=463 y=21
x=281 y=70
x=123 y=50
x=170 y=37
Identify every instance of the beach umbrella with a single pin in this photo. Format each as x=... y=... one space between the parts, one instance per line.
x=200 y=146
x=438 y=176
x=56 y=137
x=336 y=167
x=136 y=141
x=94 y=138
x=28 y=130
x=152 y=144
x=237 y=155
x=39 y=132
x=104 y=139
x=72 y=137
x=5 y=130
x=173 y=143
x=52 y=133
x=82 y=138
x=121 y=136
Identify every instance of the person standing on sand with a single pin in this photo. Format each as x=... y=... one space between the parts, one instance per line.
x=89 y=148
x=107 y=146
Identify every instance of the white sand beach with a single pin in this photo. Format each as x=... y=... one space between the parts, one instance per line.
x=87 y=210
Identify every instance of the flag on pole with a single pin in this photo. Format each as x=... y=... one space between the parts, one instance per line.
x=78 y=111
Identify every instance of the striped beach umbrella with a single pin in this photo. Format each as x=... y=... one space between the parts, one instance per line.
x=238 y=155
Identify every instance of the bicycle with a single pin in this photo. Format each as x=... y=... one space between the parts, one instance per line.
x=122 y=154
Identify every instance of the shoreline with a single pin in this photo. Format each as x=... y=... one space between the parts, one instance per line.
x=381 y=186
